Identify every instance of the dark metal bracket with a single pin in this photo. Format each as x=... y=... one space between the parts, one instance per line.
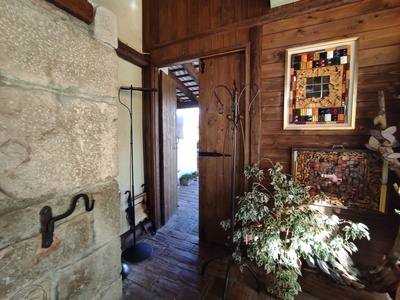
x=213 y=154
x=47 y=220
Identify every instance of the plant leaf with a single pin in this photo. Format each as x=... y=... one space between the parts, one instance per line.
x=390 y=130
x=380 y=119
x=395 y=144
x=388 y=136
x=369 y=147
x=393 y=155
x=376 y=133
x=383 y=150
x=374 y=143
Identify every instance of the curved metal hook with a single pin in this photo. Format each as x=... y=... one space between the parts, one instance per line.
x=119 y=100
x=254 y=98
x=73 y=206
x=221 y=105
x=251 y=85
x=47 y=220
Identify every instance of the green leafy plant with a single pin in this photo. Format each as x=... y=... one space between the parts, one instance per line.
x=188 y=176
x=278 y=230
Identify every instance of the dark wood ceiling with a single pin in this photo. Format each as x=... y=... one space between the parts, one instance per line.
x=187 y=83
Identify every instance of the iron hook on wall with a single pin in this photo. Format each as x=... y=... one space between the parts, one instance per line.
x=47 y=220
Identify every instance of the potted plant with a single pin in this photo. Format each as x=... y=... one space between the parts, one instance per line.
x=278 y=230
x=187 y=178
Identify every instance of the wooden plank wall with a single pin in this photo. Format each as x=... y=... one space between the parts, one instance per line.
x=377 y=25
x=192 y=28
x=182 y=30
x=170 y=20
x=176 y=31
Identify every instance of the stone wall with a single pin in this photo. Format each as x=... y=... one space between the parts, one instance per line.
x=58 y=138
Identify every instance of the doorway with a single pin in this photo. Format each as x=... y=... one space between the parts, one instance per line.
x=215 y=137
x=188 y=140
x=216 y=82
x=178 y=121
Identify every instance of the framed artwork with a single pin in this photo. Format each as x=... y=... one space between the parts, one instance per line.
x=349 y=178
x=321 y=86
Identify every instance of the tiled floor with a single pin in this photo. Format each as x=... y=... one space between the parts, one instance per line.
x=174 y=269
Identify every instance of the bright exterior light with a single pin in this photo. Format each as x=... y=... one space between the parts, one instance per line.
x=275 y=3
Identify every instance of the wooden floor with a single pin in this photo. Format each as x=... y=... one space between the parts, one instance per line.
x=174 y=269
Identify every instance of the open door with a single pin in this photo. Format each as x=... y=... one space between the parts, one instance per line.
x=168 y=144
x=215 y=143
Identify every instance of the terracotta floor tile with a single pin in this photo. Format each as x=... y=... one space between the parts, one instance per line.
x=189 y=294
x=174 y=269
x=166 y=288
x=138 y=292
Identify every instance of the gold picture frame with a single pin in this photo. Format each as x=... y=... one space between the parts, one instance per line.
x=321 y=86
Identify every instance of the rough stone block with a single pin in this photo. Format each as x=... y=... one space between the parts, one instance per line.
x=36 y=290
x=24 y=262
x=58 y=137
x=112 y=292
x=91 y=275
x=51 y=143
x=107 y=214
x=19 y=225
x=22 y=224
x=54 y=53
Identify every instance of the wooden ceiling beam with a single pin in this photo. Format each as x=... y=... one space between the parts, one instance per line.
x=192 y=72
x=80 y=9
x=187 y=104
x=183 y=88
x=131 y=55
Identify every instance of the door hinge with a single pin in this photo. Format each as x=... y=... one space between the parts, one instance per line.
x=202 y=66
x=213 y=154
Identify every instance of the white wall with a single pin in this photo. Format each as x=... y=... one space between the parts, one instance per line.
x=187 y=147
x=129 y=23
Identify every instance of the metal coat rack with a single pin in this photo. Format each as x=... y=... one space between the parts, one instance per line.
x=235 y=119
x=138 y=251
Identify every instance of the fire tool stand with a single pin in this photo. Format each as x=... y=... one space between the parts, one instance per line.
x=138 y=251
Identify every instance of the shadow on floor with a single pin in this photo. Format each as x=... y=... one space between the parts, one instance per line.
x=174 y=269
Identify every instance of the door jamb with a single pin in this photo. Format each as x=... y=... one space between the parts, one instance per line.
x=151 y=112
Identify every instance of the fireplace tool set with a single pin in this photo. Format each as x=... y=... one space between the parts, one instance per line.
x=138 y=251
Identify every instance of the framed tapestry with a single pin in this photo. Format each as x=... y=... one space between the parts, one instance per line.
x=321 y=86
x=349 y=178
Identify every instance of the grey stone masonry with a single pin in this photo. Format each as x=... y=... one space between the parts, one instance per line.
x=52 y=142
x=50 y=52
x=58 y=138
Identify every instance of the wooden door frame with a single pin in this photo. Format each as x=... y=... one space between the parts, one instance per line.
x=151 y=143
x=168 y=194
x=151 y=113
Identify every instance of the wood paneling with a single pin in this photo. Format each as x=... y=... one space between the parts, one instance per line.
x=80 y=9
x=129 y=54
x=200 y=47
x=216 y=135
x=168 y=147
x=211 y=27
x=151 y=144
x=169 y=21
x=255 y=110
x=376 y=25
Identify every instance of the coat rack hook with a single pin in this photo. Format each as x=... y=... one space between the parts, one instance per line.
x=47 y=220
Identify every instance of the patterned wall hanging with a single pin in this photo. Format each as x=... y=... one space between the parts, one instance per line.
x=320 y=86
x=349 y=178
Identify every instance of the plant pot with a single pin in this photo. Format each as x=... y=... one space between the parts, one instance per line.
x=186 y=182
